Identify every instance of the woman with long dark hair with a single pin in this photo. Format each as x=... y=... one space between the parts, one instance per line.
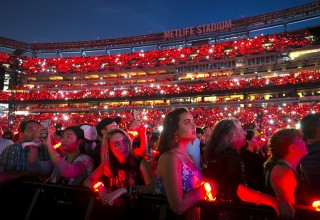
x=226 y=168
x=177 y=177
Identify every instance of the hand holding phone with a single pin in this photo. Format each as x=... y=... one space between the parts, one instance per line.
x=44 y=128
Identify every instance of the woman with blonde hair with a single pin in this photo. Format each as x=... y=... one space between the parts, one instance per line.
x=120 y=172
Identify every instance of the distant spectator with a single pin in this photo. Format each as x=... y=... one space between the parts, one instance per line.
x=7 y=135
x=107 y=124
x=310 y=126
x=102 y=127
x=199 y=134
x=207 y=130
x=253 y=162
x=88 y=145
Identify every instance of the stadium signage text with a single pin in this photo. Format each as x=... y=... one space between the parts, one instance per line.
x=199 y=30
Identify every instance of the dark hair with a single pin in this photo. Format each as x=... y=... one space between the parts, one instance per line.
x=23 y=125
x=279 y=143
x=155 y=136
x=77 y=130
x=170 y=126
x=250 y=134
x=199 y=130
x=309 y=125
x=106 y=121
x=219 y=139
x=7 y=135
x=205 y=127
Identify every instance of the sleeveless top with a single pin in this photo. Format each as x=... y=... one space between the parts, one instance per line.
x=301 y=194
x=190 y=179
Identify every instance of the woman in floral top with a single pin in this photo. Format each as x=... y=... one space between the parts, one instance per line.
x=177 y=176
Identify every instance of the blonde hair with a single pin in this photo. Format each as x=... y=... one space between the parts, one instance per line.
x=104 y=152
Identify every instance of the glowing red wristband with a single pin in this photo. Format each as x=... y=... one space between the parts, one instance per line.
x=98 y=187
x=208 y=189
x=316 y=205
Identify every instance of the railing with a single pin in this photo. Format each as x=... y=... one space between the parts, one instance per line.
x=25 y=199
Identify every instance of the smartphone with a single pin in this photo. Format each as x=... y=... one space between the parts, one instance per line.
x=59 y=130
x=45 y=124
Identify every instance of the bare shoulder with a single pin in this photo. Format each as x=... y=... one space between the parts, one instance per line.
x=168 y=159
x=283 y=172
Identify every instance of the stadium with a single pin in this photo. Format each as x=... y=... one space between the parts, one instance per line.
x=256 y=69
x=223 y=71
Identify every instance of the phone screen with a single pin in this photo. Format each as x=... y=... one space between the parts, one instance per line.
x=44 y=128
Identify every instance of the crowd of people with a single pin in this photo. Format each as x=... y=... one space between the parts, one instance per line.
x=165 y=88
x=259 y=154
x=154 y=58
x=119 y=163
x=268 y=117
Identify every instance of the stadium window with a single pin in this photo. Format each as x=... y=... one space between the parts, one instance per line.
x=267 y=59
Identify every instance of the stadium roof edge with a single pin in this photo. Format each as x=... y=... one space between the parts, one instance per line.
x=220 y=29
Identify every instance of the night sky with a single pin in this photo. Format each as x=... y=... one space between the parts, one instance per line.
x=65 y=20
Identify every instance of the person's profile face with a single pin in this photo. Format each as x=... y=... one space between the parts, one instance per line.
x=300 y=147
x=239 y=136
x=207 y=131
x=186 y=128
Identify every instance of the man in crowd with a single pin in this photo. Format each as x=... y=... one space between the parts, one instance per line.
x=310 y=126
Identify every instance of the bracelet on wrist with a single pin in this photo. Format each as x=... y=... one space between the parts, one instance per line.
x=129 y=189
x=132 y=190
